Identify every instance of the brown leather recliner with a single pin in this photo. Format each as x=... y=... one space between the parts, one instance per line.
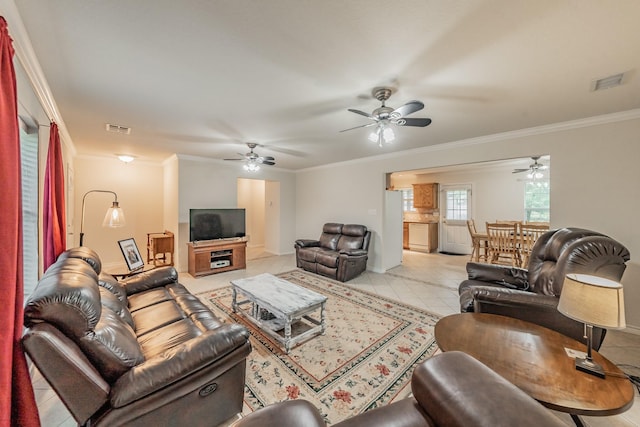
x=450 y=389
x=533 y=294
x=341 y=253
x=141 y=352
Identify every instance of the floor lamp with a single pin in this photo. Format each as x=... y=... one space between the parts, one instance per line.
x=113 y=218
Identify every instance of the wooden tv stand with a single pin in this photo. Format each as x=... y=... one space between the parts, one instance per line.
x=216 y=256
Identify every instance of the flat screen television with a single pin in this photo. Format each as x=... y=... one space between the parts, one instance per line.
x=211 y=224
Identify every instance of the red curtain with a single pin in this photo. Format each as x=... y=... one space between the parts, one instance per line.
x=55 y=240
x=17 y=402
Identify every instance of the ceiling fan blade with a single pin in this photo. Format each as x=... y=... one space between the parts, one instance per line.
x=361 y=126
x=413 y=122
x=362 y=113
x=521 y=170
x=267 y=158
x=408 y=108
x=268 y=162
x=233 y=159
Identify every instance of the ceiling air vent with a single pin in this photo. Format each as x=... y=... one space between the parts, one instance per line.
x=118 y=129
x=607 y=82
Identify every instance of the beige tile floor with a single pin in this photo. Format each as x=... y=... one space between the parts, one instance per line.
x=428 y=281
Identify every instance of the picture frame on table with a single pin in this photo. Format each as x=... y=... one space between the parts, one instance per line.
x=131 y=254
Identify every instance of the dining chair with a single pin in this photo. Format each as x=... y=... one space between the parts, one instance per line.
x=503 y=243
x=479 y=243
x=529 y=233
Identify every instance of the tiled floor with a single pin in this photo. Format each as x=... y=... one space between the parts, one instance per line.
x=428 y=281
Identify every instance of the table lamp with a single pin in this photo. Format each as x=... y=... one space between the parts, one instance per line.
x=113 y=218
x=595 y=301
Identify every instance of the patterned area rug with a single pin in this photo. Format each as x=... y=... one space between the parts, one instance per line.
x=364 y=359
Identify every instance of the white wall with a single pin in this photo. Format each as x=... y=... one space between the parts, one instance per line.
x=140 y=190
x=207 y=183
x=594 y=183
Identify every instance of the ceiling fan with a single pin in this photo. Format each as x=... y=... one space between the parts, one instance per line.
x=535 y=169
x=384 y=116
x=253 y=160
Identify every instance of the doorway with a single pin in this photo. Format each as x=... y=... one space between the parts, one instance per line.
x=261 y=201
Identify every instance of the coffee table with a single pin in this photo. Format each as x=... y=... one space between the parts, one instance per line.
x=275 y=304
x=535 y=360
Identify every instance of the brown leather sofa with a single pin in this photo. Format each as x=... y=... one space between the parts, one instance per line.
x=532 y=294
x=341 y=253
x=140 y=352
x=450 y=389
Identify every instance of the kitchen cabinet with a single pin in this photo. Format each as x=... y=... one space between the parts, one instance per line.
x=423 y=237
x=425 y=196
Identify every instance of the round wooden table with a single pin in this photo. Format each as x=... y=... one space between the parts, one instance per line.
x=535 y=360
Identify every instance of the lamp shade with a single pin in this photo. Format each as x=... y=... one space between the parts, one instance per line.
x=114 y=216
x=593 y=300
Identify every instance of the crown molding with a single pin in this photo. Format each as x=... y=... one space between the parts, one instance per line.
x=520 y=133
x=27 y=57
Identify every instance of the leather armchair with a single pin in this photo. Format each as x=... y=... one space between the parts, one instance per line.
x=533 y=294
x=450 y=389
x=340 y=253
x=140 y=352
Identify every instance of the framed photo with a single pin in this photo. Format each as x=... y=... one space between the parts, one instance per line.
x=131 y=254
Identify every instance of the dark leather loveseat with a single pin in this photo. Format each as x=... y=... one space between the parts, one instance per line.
x=533 y=294
x=341 y=253
x=140 y=352
x=450 y=389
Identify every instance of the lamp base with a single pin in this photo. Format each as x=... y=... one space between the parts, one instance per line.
x=590 y=367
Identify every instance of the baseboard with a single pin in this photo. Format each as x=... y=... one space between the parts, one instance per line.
x=635 y=330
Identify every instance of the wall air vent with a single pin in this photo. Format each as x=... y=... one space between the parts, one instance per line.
x=118 y=129
x=607 y=82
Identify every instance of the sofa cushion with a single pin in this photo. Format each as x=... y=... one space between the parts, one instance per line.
x=156 y=316
x=308 y=254
x=86 y=254
x=329 y=241
x=327 y=258
x=148 y=298
x=109 y=282
x=112 y=346
x=352 y=237
x=112 y=302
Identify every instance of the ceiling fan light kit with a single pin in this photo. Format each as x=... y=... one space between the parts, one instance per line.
x=253 y=160
x=534 y=171
x=383 y=117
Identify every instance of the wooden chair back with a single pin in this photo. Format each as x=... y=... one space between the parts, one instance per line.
x=503 y=243
x=478 y=243
x=529 y=233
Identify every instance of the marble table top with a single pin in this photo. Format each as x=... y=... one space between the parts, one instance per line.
x=283 y=295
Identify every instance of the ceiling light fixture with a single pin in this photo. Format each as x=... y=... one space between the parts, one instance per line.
x=251 y=166
x=382 y=133
x=126 y=158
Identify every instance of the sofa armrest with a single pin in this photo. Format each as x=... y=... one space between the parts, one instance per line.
x=509 y=277
x=457 y=390
x=530 y=307
x=155 y=278
x=307 y=243
x=178 y=363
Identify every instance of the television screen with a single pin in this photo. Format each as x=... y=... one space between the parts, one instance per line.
x=210 y=224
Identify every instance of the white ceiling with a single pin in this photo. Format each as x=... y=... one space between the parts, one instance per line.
x=203 y=77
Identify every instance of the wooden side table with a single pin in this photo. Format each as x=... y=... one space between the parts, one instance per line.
x=535 y=360
x=160 y=248
x=120 y=276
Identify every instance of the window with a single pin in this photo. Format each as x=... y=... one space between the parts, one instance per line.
x=29 y=160
x=536 y=201
x=407 y=200
x=457 y=208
